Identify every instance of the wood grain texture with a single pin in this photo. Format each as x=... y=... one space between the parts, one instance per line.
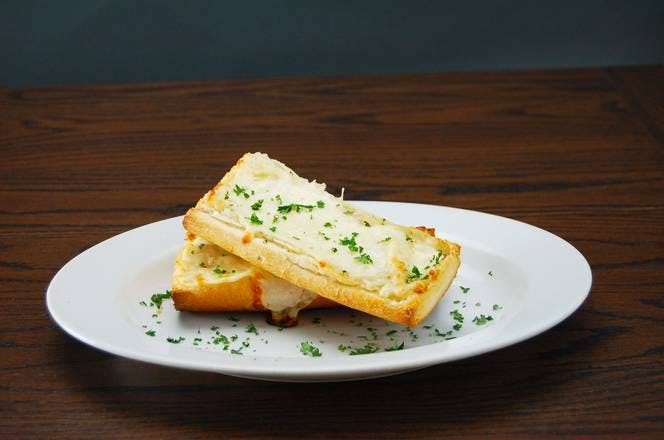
x=577 y=152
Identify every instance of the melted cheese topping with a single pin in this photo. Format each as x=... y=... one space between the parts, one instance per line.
x=202 y=261
x=321 y=233
x=201 y=258
x=284 y=298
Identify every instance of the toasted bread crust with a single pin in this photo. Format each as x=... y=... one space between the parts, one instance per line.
x=232 y=297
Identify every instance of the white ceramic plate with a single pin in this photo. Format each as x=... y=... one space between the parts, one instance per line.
x=524 y=278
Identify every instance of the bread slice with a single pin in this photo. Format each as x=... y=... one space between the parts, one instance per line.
x=208 y=279
x=267 y=215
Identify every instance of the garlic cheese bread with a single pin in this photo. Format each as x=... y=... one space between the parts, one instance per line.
x=208 y=279
x=292 y=228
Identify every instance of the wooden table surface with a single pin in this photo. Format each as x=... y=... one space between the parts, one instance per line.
x=577 y=152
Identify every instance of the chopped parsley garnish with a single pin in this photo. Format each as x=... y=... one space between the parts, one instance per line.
x=158 y=298
x=342 y=347
x=143 y=303
x=214 y=328
x=285 y=209
x=352 y=245
x=391 y=332
x=201 y=246
x=334 y=249
x=221 y=339
x=320 y=204
x=201 y=264
x=309 y=350
x=435 y=260
x=456 y=301
x=255 y=219
x=396 y=347
x=233 y=318
x=278 y=197
x=490 y=273
x=226 y=196
x=457 y=327
x=456 y=315
x=219 y=271
x=348 y=212
x=256 y=206
x=328 y=225
x=367 y=224
x=273 y=228
x=496 y=307
x=251 y=328
x=415 y=274
x=151 y=333
x=175 y=340
x=409 y=238
x=238 y=190
x=350 y=242
x=464 y=289
x=481 y=320
x=441 y=334
x=234 y=351
x=367 y=349
x=385 y=240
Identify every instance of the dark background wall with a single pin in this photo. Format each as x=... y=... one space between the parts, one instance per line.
x=126 y=40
